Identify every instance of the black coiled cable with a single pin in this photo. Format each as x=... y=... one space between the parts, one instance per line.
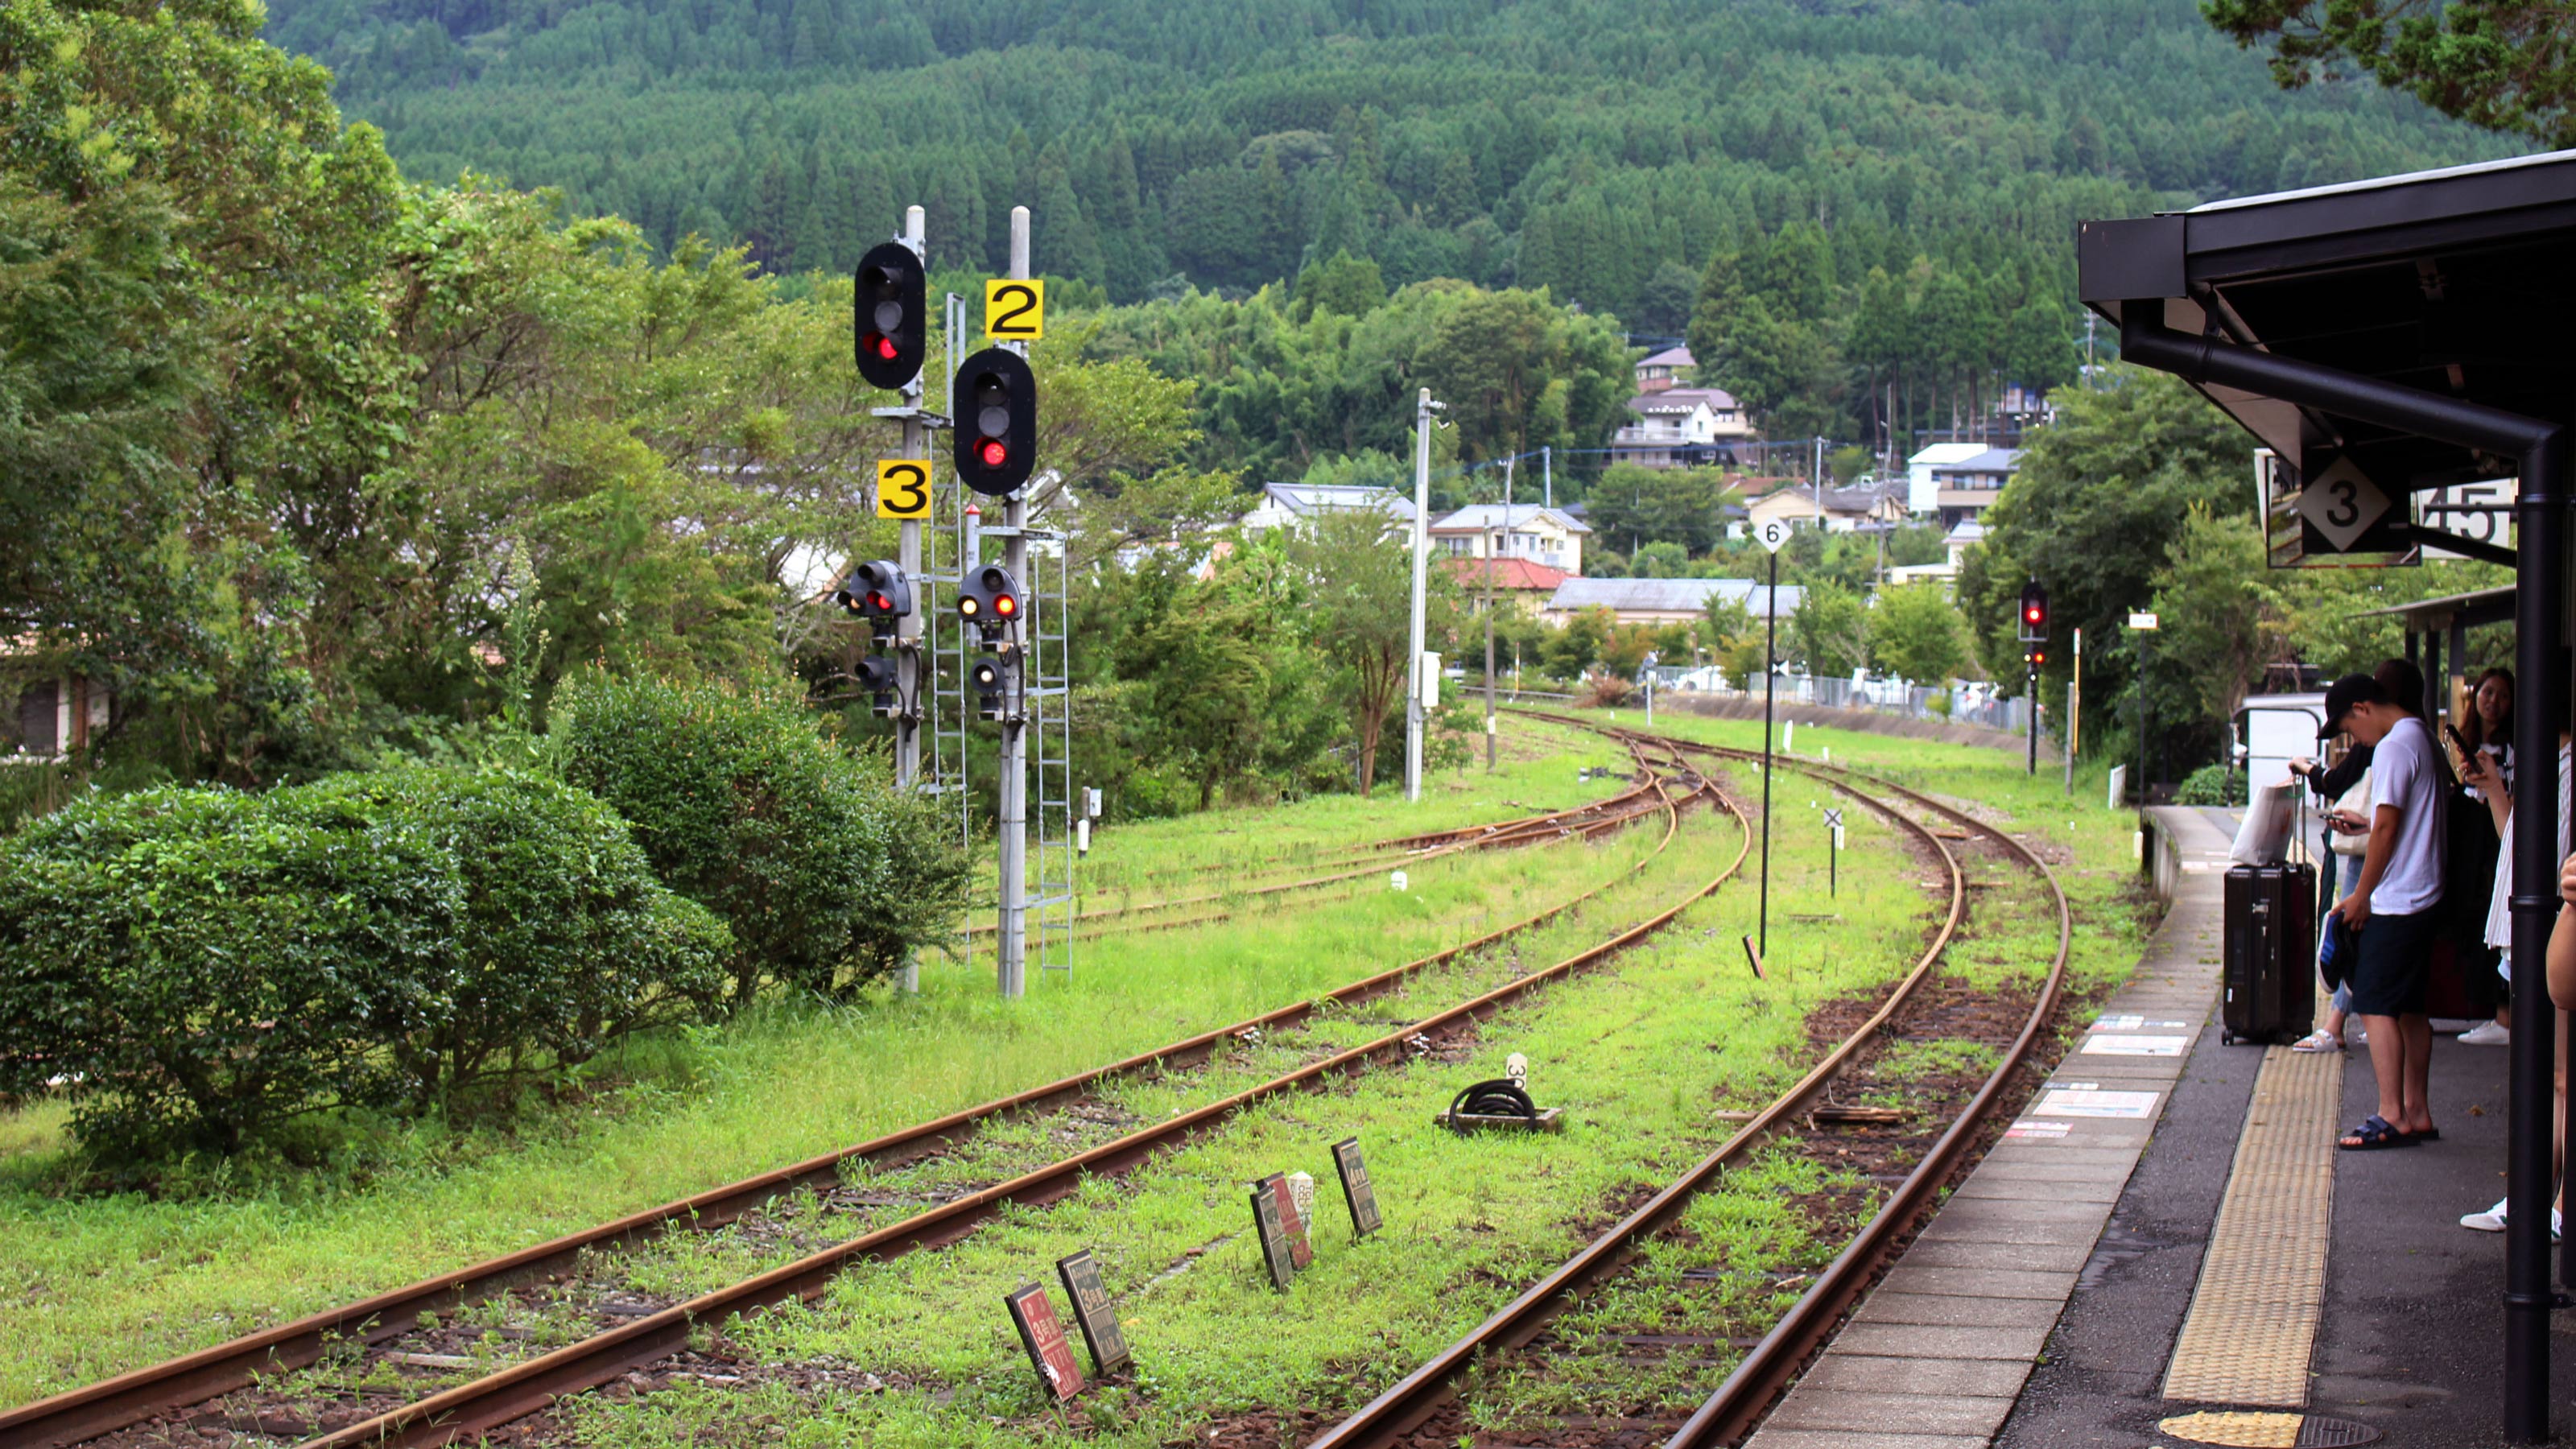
x=1497 y=1098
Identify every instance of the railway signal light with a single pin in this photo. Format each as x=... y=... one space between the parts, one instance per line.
x=891 y=315
x=878 y=592
x=990 y=599
x=2034 y=612
x=997 y=422
x=2035 y=659
x=877 y=678
x=996 y=679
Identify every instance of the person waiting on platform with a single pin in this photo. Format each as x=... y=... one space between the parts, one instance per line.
x=2390 y=910
x=2346 y=789
x=2486 y=731
x=2480 y=770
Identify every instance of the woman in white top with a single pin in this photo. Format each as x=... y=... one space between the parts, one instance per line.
x=2481 y=772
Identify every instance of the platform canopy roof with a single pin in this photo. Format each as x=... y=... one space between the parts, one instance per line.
x=2460 y=282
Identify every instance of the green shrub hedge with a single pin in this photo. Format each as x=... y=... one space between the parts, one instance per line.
x=199 y=965
x=828 y=876
x=2211 y=785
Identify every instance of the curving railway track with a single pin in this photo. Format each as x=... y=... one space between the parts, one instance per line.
x=169 y=1393
x=1402 y=1414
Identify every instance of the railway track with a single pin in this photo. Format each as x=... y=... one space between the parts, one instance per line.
x=647 y=1332
x=1584 y=822
x=1409 y=1412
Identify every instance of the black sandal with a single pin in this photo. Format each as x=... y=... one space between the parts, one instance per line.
x=2372 y=1135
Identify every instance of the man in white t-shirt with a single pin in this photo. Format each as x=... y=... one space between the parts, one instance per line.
x=2392 y=907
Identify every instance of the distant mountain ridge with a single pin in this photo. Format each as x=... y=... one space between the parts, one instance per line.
x=1606 y=150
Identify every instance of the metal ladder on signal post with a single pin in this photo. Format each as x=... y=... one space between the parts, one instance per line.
x=1049 y=684
x=946 y=649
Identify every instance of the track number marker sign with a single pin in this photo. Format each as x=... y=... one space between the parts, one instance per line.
x=1357 y=1190
x=2342 y=504
x=1014 y=311
x=903 y=488
x=1773 y=532
x=1042 y=1334
x=1094 y=1311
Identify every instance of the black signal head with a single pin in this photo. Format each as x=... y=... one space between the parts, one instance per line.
x=997 y=421
x=890 y=315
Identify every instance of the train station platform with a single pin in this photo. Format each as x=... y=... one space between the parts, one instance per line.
x=2166 y=1248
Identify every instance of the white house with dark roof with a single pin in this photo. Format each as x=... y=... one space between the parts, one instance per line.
x=1958 y=481
x=1284 y=504
x=1665 y=601
x=1678 y=426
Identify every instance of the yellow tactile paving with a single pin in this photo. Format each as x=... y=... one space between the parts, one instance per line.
x=2253 y=1318
x=2238 y=1430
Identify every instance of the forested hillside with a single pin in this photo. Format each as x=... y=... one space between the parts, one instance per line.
x=1602 y=148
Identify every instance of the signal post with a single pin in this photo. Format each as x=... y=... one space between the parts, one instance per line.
x=2034 y=654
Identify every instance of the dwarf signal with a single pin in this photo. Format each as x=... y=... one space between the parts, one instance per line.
x=989 y=598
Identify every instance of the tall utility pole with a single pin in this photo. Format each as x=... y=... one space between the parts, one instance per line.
x=1492 y=564
x=1013 y=953
x=1547 y=475
x=1414 y=683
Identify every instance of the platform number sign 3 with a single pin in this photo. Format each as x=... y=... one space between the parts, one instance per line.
x=1773 y=532
x=903 y=488
x=1014 y=311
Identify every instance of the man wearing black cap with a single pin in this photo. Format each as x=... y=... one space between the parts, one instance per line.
x=2391 y=908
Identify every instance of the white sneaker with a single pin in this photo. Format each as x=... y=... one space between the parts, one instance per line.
x=2486 y=1034
x=2492 y=1220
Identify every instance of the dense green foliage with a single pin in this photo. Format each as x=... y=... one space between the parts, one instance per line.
x=828 y=876
x=205 y=966
x=2502 y=64
x=1849 y=195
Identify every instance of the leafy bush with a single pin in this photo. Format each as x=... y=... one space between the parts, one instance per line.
x=2211 y=785
x=827 y=875
x=202 y=964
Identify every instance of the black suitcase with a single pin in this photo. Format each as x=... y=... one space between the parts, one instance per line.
x=2271 y=953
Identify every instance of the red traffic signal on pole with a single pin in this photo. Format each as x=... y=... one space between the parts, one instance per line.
x=2034 y=612
x=997 y=421
x=876 y=591
x=890 y=315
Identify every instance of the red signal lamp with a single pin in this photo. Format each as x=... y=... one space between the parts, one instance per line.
x=884 y=347
x=1005 y=605
x=993 y=453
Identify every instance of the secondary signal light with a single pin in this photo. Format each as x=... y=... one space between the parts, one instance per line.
x=989 y=598
x=890 y=315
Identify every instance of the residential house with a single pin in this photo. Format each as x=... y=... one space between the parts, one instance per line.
x=1679 y=426
x=1669 y=368
x=1665 y=601
x=1958 y=481
x=1284 y=504
x=1520 y=530
x=1837 y=510
x=1520 y=584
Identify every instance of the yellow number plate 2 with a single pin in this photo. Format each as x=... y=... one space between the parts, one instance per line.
x=1014 y=311
x=903 y=488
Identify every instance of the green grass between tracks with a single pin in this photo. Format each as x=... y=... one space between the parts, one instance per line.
x=1640 y=1055
x=98 y=1284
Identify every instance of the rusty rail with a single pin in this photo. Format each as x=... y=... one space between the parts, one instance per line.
x=1769 y=1366
x=85 y=1413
